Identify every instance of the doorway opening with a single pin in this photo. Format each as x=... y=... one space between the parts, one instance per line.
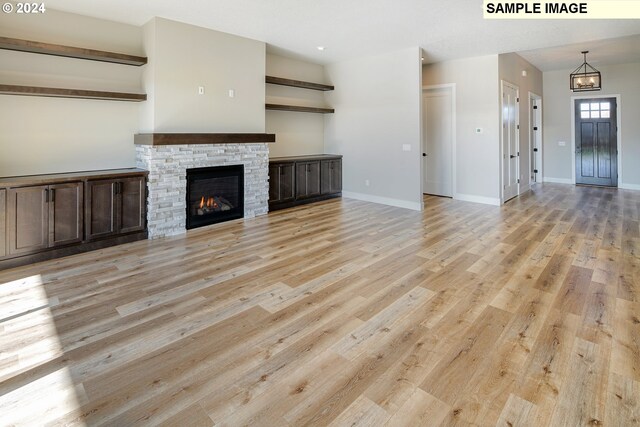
x=438 y=140
x=510 y=139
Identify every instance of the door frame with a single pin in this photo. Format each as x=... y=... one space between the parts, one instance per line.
x=618 y=133
x=452 y=87
x=539 y=155
x=504 y=83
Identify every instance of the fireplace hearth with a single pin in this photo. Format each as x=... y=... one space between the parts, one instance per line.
x=214 y=194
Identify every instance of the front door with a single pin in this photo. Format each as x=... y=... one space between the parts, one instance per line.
x=510 y=141
x=437 y=145
x=596 y=142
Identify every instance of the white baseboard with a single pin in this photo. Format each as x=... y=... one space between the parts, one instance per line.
x=557 y=180
x=383 y=200
x=626 y=186
x=477 y=199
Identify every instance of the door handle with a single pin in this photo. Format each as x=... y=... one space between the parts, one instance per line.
x=46 y=195
x=424 y=154
x=53 y=195
x=511 y=156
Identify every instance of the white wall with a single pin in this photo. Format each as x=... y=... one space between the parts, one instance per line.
x=185 y=57
x=377 y=103
x=510 y=68
x=616 y=80
x=477 y=106
x=48 y=135
x=296 y=133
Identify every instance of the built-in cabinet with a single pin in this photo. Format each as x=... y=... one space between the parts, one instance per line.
x=45 y=216
x=115 y=206
x=304 y=179
x=307 y=179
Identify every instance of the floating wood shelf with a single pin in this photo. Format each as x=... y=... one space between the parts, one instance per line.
x=201 y=138
x=297 y=83
x=70 y=93
x=299 y=109
x=70 y=51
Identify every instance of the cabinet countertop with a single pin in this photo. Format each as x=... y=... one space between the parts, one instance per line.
x=305 y=158
x=18 y=181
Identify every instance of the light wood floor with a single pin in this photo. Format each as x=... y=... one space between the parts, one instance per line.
x=341 y=313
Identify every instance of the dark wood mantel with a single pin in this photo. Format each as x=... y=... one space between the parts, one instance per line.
x=202 y=138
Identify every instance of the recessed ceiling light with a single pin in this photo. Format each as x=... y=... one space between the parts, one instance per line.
x=321 y=47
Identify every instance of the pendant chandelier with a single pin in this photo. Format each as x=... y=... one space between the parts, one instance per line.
x=585 y=78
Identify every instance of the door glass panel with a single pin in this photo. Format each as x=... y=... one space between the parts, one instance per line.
x=584 y=114
x=605 y=114
x=595 y=114
x=584 y=106
x=595 y=106
x=605 y=106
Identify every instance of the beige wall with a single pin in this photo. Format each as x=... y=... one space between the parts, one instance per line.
x=377 y=103
x=296 y=133
x=477 y=106
x=510 y=68
x=617 y=80
x=48 y=135
x=186 y=57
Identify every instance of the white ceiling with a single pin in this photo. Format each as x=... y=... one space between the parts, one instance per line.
x=601 y=52
x=445 y=29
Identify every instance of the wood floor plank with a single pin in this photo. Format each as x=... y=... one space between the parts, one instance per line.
x=342 y=312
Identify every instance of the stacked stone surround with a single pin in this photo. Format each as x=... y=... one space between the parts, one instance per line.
x=167 y=185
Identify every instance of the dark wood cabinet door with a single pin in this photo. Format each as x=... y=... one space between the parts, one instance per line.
x=101 y=208
x=65 y=213
x=307 y=179
x=3 y=224
x=336 y=176
x=331 y=175
x=274 y=183
x=281 y=182
x=28 y=219
x=132 y=197
x=287 y=182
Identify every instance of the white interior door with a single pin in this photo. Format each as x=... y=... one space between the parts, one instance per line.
x=437 y=144
x=510 y=142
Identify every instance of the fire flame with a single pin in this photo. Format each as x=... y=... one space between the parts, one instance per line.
x=210 y=202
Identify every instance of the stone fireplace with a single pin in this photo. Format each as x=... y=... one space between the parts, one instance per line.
x=167 y=182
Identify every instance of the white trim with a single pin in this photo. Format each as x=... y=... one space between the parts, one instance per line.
x=454 y=143
x=478 y=199
x=539 y=155
x=626 y=186
x=416 y=206
x=573 y=132
x=559 y=180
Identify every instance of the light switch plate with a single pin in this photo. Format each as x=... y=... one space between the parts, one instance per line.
x=406 y=147
x=562 y=143
x=200 y=90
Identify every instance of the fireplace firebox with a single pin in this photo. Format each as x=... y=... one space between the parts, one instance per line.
x=214 y=194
